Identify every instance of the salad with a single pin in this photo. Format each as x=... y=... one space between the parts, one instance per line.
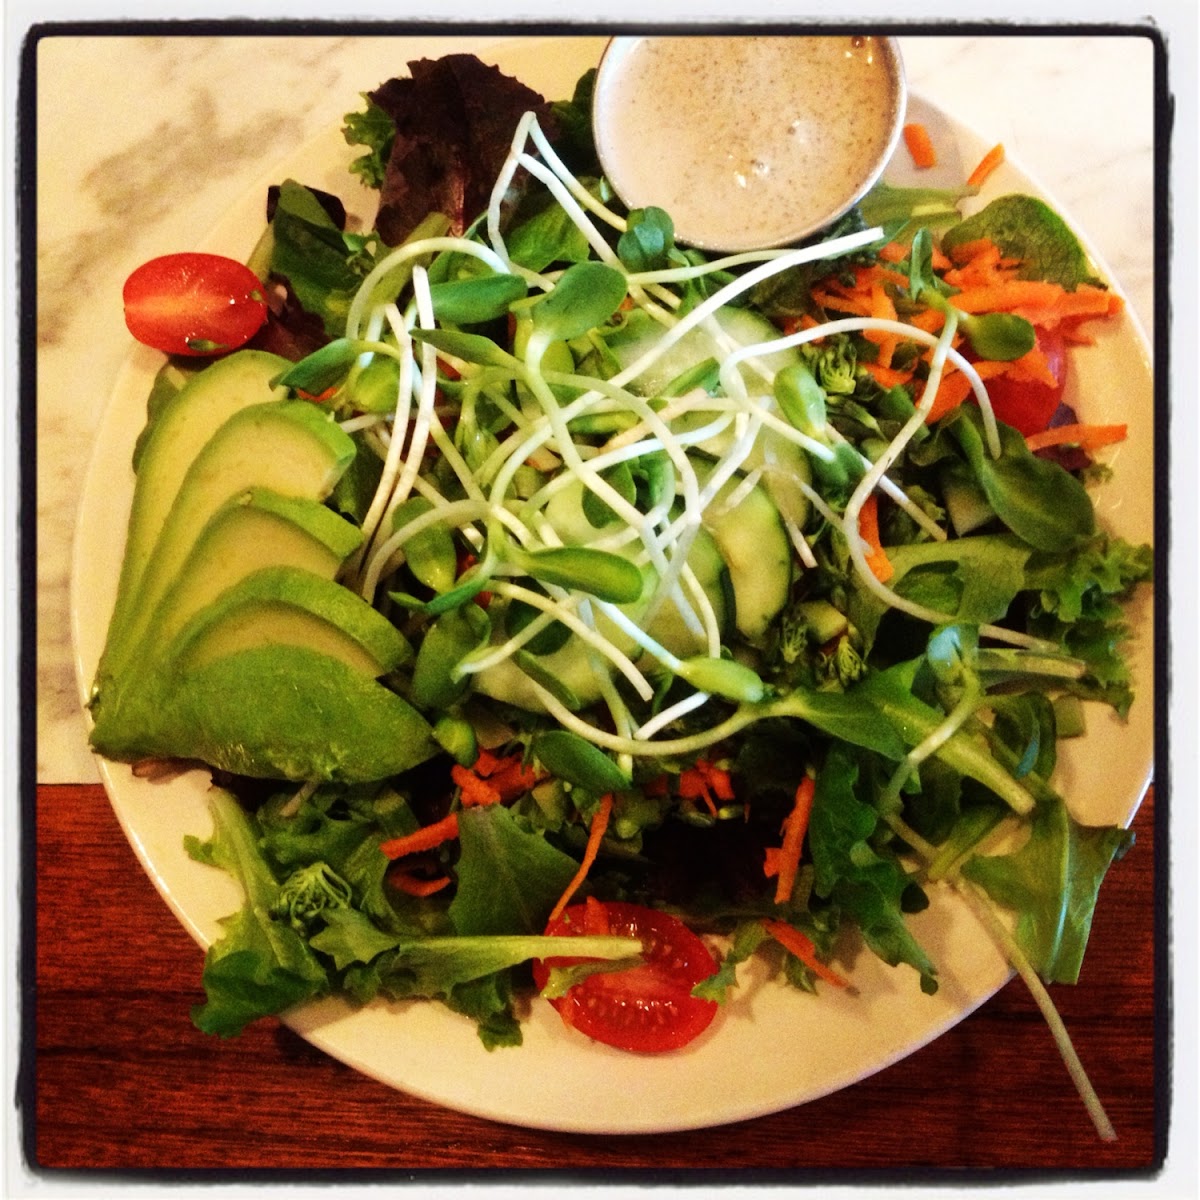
x=545 y=595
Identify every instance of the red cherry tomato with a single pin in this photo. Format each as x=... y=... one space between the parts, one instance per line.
x=648 y=1008
x=194 y=304
x=1028 y=406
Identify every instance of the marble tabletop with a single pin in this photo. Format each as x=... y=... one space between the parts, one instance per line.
x=199 y=121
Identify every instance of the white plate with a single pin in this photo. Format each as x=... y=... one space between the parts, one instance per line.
x=771 y=1047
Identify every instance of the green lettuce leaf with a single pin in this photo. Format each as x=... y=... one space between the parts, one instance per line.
x=323 y=265
x=509 y=877
x=864 y=885
x=259 y=966
x=1051 y=883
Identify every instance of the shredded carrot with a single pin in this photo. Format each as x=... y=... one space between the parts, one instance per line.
x=1089 y=437
x=595 y=834
x=930 y=320
x=987 y=164
x=920 y=145
x=1008 y=295
x=1032 y=367
x=832 y=295
x=705 y=780
x=893 y=252
x=800 y=944
x=475 y=792
x=510 y=777
x=953 y=389
x=868 y=529
x=883 y=309
x=795 y=826
x=1038 y=301
x=789 y=324
x=425 y=838
x=886 y=376
x=939 y=260
x=867 y=277
x=1080 y=305
x=983 y=248
x=979 y=263
x=413 y=885
x=318 y=397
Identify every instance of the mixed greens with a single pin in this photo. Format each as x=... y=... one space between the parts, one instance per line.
x=684 y=576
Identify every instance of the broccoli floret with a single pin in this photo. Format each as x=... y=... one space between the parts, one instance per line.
x=834 y=363
x=308 y=893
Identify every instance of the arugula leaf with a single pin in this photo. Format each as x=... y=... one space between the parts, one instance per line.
x=891 y=692
x=971 y=579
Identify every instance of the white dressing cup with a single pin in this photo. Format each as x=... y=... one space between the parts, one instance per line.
x=747 y=141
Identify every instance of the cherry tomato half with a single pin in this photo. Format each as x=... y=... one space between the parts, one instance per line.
x=648 y=1008
x=1028 y=405
x=194 y=304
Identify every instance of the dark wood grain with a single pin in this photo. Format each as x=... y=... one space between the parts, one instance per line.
x=119 y=1079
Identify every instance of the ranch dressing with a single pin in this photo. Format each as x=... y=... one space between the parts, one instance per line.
x=747 y=141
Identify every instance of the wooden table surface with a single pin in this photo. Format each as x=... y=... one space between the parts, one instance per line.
x=118 y=1079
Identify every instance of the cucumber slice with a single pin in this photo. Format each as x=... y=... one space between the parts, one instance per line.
x=640 y=333
x=751 y=537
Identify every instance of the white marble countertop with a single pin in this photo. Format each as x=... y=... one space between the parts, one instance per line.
x=197 y=122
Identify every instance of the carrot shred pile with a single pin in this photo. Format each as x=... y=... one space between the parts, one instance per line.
x=507 y=777
x=986 y=281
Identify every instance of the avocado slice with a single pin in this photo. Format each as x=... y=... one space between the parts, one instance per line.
x=179 y=429
x=255 y=529
x=290 y=606
x=275 y=712
x=279 y=606
x=289 y=446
